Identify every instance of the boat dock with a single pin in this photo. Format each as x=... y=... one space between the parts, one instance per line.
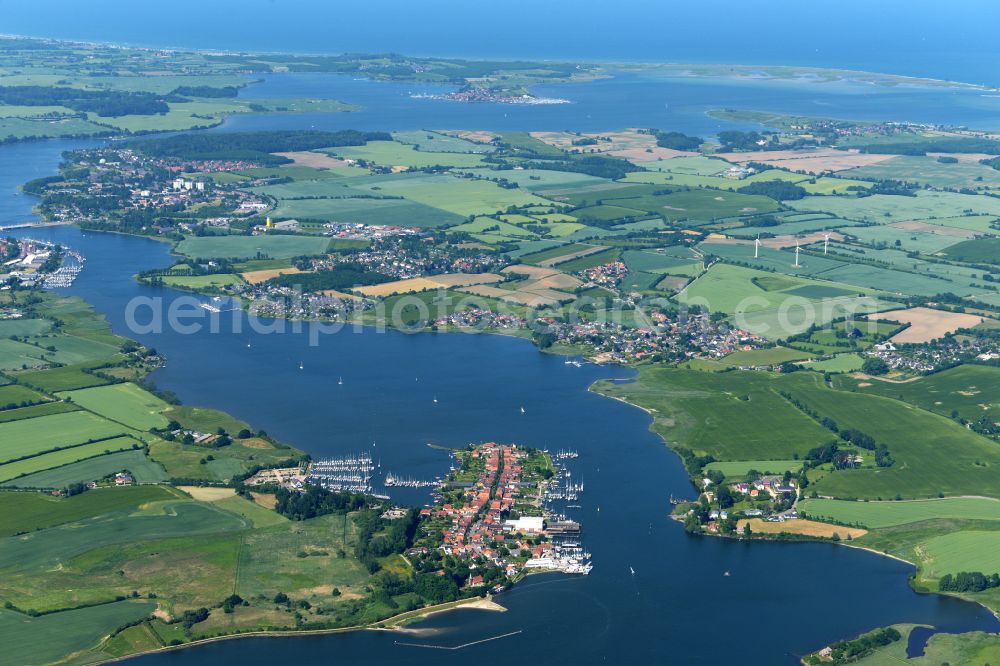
x=348 y=473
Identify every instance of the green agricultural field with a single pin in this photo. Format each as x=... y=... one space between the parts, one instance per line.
x=927 y=170
x=295 y=172
x=49 y=638
x=831 y=185
x=900 y=282
x=886 y=208
x=142 y=468
x=980 y=250
x=493 y=227
x=735 y=289
x=80 y=561
x=773 y=325
x=652 y=224
x=441 y=143
x=458 y=196
x=330 y=188
x=983 y=224
x=820 y=223
x=393 y=153
x=205 y=420
x=251 y=511
x=13 y=396
x=201 y=282
x=27 y=511
x=656 y=261
x=961 y=551
x=183 y=571
x=528 y=247
x=31 y=437
x=268 y=564
x=700 y=205
x=241 y=247
x=780 y=261
x=65 y=378
x=973 y=391
x=554 y=252
x=524 y=141
x=757 y=357
x=21 y=128
x=370 y=210
x=839 y=363
x=697 y=165
x=589 y=261
x=125 y=403
x=913 y=241
x=918 y=278
x=23 y=327
x=732 y=416
x=739 y=469
x=47 y=461
x=606 y=213
x=608 y=193
x=35 y=411
x=542 y=180
x=15 y=355
x=680 y=180
x=932 y=454
x=191 y=461
x=888 y=514
x=72 y=349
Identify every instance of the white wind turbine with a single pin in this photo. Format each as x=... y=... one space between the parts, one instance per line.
x=756 y=247
x=797 y=255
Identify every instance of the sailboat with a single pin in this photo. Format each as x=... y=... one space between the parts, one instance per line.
x=340 y=381
x=631 y=569
x=435 y=400
x=301 y=366
x=522 y=410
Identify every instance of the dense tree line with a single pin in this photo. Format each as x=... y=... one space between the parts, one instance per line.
x=255 y=146
x=315 y=501
x=779 y=190
x=206 y=91
x=846 y=651
x=105 y=103
x=922 y=146
x=678 y=141
x=592 y=165
x=894 y=187
x=968 y=581
x=342 y=276
x=735 y=140
x=378 y=537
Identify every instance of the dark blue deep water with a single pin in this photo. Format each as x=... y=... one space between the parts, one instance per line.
x=781 y=600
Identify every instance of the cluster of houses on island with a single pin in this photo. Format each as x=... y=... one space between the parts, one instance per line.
x=482 y=525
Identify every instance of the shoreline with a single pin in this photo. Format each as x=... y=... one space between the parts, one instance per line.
x=838 y=72
x=806 y=538
x=479 y=603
